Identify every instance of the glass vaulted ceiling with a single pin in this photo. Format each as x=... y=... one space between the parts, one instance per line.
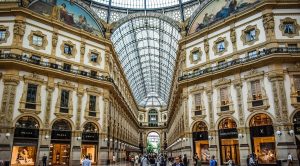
x=146 y=47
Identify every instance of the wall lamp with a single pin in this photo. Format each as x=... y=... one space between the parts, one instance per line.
x=106 y=139
x=78 y=138
x=279 y=133
x=210 y=137
x=291 y=132
x=241 y=136
x=7 y=135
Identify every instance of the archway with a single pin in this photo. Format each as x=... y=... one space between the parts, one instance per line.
x=25 y=144
x=228 y=141
x=61 y=135
x=200 y=141
x=296 y=121
x=153 y=143
x=90 y=140
x=262 y=138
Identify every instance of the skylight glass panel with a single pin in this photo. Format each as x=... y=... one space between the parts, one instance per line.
x=128 y=3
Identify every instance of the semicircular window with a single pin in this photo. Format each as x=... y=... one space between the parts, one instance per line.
x=146 y=47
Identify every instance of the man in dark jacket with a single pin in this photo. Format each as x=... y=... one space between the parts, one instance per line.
x=44 y=159
x=185 y=160
x=177 y=162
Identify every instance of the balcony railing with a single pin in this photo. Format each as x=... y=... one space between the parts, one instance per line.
x=248 y=58
x=11 y=56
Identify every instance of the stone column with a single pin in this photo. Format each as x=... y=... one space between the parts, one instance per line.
x=11 y=81
x=285 y=142
x=75 y=154
x=79 y=108
x=104 y=140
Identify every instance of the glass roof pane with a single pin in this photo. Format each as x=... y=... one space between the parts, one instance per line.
x=147 y=47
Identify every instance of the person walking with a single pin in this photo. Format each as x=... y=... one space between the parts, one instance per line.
x=290 y=159
x=86 y=161
x=212 y=161
x=252 y=160
x=185 y=160
x=145 y=161
x=44 y=159
x=136 y=160
x=177 y=162
x=196 y=159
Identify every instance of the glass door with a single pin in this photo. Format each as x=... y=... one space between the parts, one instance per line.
x=230 y=150
x=59 y=154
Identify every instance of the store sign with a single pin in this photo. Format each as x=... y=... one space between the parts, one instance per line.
x=228 y=133
x=262 y=131
x=202 y=135
x=26 y=133
x=90 y=136
x=63 y=135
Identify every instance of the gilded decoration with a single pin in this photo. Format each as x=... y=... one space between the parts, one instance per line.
x=233 y=37
x=54 y=40
x=19 y=31
x=94 y=92
x=73 y=49
x=255 y=75
x=195 y=55
x=238 y=86
x=36 y=80
x=215 y=47
x=98 y=61
x=294 y=94
x=80 y=93
x=247 y=30
x=221 y=84
x=295 y=28
x=6 y=29
x=39 y=34
x=68 y=86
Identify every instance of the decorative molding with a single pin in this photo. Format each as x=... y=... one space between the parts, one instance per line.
x=39 y=34
x=19 y=31
x=215 y=47
x=36 y=80
x=69 y=87
x=6 y=29
x=233 y=37
x=244 y=34
x=197 y=51
x=269 y=24
x=54 y=40
x=292 y=21
x=98 y=58
x=222 y=82
x=74 y=50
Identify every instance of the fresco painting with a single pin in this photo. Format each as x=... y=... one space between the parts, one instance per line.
x=220 y=9
x=70 y=13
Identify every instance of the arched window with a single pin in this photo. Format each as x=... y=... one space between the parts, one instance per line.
x=90 y=127
x=27 y=122
x=227 y=123
x=153 y=118
x=199 y=126
x=61 y=125
x=260 y=120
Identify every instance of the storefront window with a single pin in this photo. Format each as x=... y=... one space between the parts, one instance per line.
x=25 y=141
x=229 y=144
x=59 y=154
x=90 y=139
x=23 y=155
x=90 y=151
x=262 y=139
x=200 y=138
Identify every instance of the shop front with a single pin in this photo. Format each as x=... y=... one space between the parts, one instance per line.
x=26 y=136
x=200 y=141
x=296 y=121
x=60 y=146
x=228 y=141
x=263 y=139
x=90 y=141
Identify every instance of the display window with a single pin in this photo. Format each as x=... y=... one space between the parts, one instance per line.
x=23 y=155
x=90 y=151
x=263 y=139
x=202 y=149
x=229 y=144
x=59 y=154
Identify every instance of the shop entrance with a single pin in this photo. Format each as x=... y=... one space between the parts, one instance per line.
x=200 y=141
x=262 y=139
x=60 y=143
x=90 y=140
x=25 y=144
x=228 y=140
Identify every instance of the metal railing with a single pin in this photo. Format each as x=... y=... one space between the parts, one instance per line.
x=248 y=58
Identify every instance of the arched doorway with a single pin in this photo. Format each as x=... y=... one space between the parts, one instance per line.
x=200 y=141
x=228 y=141
x=25 y=144
x=61 y=135
x=153 y=143
x=263 y=139
x=152 y=118
x=90 y=140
